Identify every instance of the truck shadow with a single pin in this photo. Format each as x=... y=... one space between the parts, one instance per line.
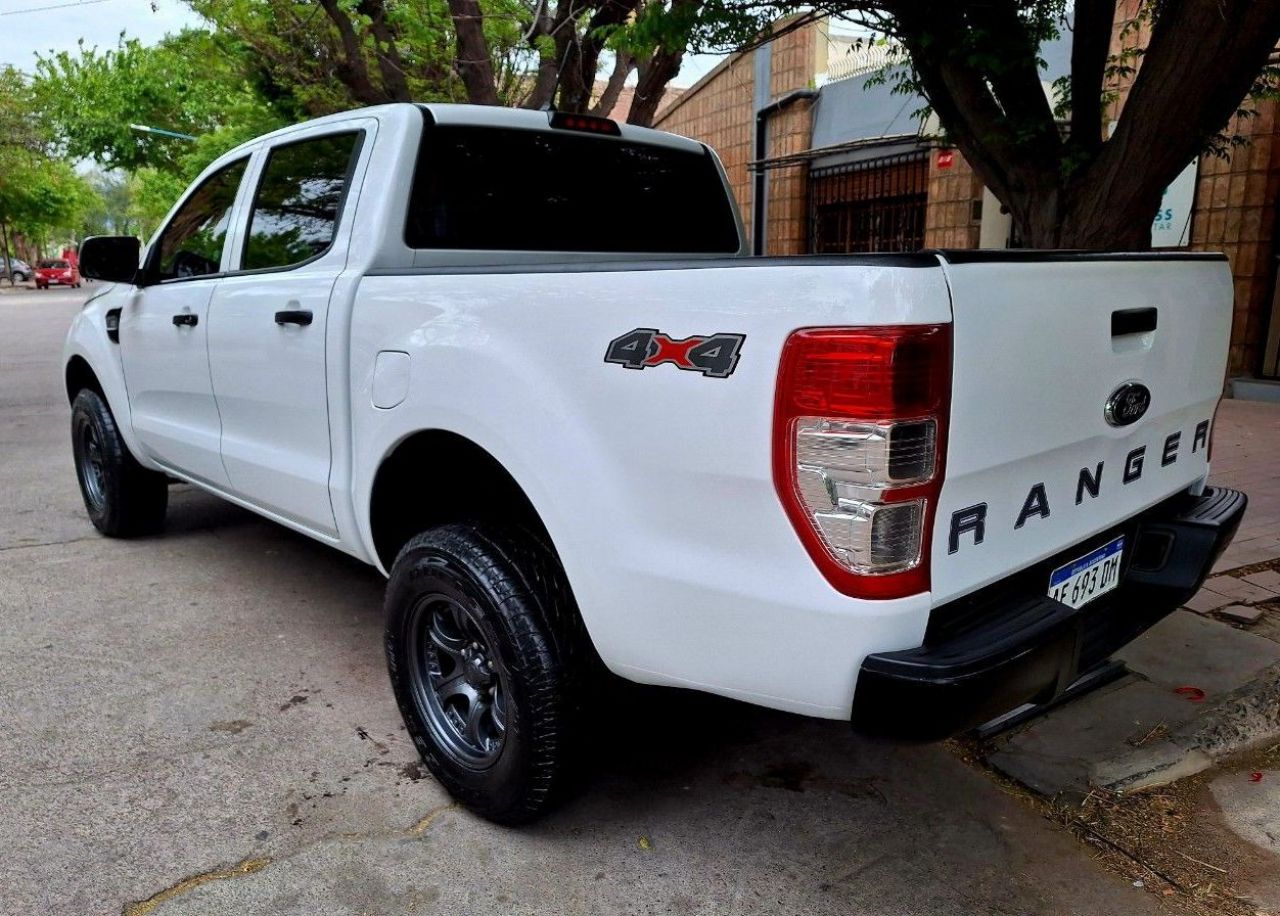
x=682 y=802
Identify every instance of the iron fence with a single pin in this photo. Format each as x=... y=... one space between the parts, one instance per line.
x=874 y=205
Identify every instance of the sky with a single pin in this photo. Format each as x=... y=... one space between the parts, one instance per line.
x=28 y=26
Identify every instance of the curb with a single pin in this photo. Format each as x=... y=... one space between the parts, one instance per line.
x=1244 y=719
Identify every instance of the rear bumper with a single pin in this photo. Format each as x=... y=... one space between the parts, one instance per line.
x=1010 y=644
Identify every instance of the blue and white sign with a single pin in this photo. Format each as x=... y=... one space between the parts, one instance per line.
x=1172 y=225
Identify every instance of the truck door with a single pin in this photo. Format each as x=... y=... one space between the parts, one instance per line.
x=164 y=328
x=268 y=324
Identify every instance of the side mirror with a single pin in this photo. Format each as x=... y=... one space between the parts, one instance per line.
x=110 y=257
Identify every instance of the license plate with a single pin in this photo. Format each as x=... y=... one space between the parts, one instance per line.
x=1080 y=581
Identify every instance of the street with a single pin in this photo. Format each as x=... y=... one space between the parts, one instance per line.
x=201 y=723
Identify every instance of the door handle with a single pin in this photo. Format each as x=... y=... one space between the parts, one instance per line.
x=186 y=320
x=1132 y=321
x=300 y=317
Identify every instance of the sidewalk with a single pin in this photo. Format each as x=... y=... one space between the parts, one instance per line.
x=1246 y=456
x=1173 y=771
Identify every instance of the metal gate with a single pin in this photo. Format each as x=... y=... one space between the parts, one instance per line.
x=873 y=205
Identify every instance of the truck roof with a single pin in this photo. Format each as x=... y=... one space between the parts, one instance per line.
x=532 y=119
x=473 y=115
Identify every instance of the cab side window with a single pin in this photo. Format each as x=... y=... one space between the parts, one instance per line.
x=191 y=244
x=295 y=211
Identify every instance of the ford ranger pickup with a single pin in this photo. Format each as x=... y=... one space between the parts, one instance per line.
x=521 y=363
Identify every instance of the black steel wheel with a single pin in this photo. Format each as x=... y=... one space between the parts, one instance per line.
x=123 y=498
x=90 y=468
x=483 y=650
x=457 y=682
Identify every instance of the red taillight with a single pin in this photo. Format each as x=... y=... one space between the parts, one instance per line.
x=860 y=424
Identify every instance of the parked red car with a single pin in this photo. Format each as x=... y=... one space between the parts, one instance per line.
x=51 y=272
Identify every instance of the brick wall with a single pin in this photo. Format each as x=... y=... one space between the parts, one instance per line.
x=948 y=220
x=1235 y=212
x=719 y=110
x=790 y=131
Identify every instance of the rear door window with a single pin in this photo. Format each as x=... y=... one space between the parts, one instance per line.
x=295 y=211
x=488 y=189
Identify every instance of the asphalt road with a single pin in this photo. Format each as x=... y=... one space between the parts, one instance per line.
x=201 y=723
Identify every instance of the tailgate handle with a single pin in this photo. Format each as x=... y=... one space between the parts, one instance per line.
x=1132 y=321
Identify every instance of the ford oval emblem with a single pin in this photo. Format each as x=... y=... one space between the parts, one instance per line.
x=1127 y=404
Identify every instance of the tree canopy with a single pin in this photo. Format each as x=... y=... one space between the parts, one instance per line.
x=40 y=193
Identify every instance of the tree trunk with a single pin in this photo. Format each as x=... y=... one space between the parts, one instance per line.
x=622 y=66
x=1084 y=218
x=475 y=66
x=658 y=70
x=4 y=250
x=654 y=75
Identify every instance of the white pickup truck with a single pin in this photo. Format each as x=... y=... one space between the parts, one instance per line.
x=519 y=362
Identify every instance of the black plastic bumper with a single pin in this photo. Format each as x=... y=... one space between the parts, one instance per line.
x=1010 y=644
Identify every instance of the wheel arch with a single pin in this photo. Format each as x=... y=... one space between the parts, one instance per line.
x=79 y=375
x=435 y=476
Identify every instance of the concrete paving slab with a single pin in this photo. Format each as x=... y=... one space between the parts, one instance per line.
x=1185 y=649
x=1206 y=601
x=1240 y=613
x=1055 y=752
x=1238 y=589
x=1251 y=810
x=1268 y=579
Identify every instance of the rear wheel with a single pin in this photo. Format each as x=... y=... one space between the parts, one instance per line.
x=481 y=652
x=123 y=498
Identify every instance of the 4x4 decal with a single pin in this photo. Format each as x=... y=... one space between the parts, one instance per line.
x=715 y=355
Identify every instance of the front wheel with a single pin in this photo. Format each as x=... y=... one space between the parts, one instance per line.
x=123 y=498
x=479 y=642
x=20 y=277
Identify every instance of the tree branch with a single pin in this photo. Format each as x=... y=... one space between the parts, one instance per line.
x=549 y=25
x=351 y=68
x=1199 y=65
x=959 y=95
x=390 y=65
x=623 y=64
x=1090 y=48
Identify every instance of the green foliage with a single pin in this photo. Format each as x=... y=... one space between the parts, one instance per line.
x=185 y=84
x=294 y=49
x=41 y=196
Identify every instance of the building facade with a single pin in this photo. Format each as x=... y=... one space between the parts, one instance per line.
x=824 y=157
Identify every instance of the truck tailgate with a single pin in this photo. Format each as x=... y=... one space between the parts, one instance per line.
x=1041 y=344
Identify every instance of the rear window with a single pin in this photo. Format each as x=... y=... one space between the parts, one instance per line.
x=496 y=189
x=54 y=264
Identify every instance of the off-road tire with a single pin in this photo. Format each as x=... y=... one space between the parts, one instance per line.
x=123 y=498
x=513 y=587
